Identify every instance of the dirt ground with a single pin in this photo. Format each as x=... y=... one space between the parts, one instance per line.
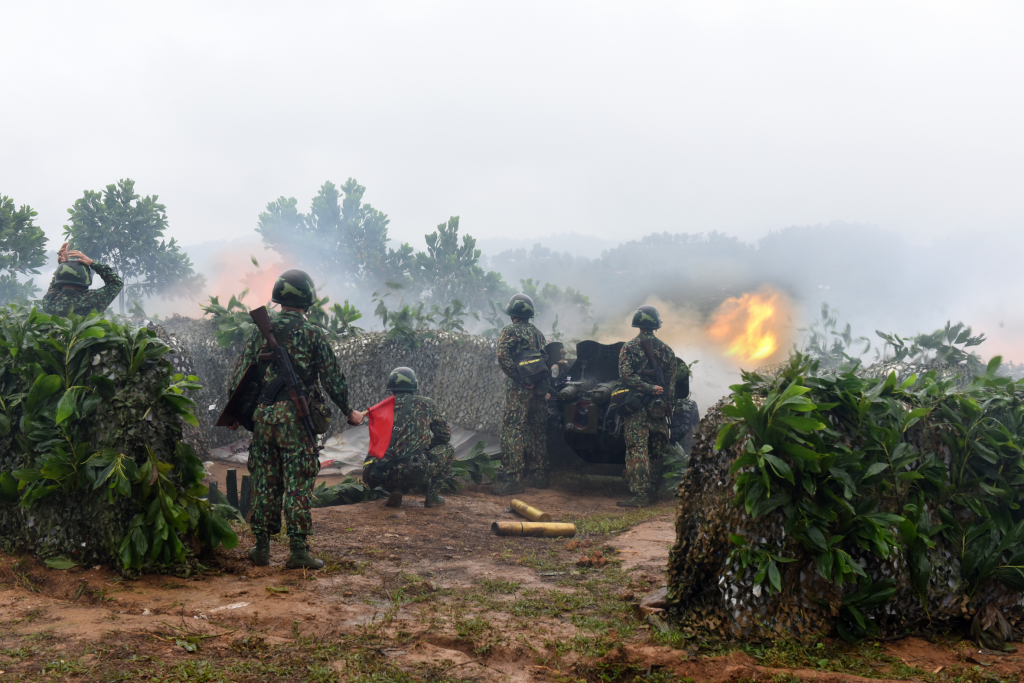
x=416 y=594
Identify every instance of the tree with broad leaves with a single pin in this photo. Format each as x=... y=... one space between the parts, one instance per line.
x=449 y=271
x=338 y=237
x=125 y=231
x=22 y=250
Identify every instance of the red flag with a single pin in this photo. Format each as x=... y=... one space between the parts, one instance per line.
x=382 y=421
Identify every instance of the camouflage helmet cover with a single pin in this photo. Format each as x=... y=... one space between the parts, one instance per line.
x=647 y=318
x=294 y=288
x=521 y=306
x=402 y=380
x=73 y=273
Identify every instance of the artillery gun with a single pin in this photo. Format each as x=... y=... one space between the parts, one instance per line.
x=579 y=413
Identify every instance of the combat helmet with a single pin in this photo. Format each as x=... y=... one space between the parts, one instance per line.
x=521 y=306
x=647 y=318
x=73 y=273
x=294 y=288
x=402 y=380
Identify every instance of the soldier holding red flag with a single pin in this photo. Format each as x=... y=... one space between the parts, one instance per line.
x=409 y=443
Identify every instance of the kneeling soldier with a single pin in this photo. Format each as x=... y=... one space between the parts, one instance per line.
x=419 y=452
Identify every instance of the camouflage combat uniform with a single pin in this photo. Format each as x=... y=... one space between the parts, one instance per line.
x=422 y=430
x=646 y=436
x=61 y=301
x=523 y=440
x=281 y=460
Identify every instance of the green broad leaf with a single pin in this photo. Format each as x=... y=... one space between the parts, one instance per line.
x=737 y=540
x=726 y=436
x=5 y=425
x=909 y=476
x=277 y=589
x=876 y=468
x=8 y=485
x=817 y=539
x=60 y=563
x=44 y=387
x=781 y=468
x=800 y=452
x=803 y=424
x=95 y=332
x=186 y=645
x=774 y=576
x=66 y=405
x=825 y=565
x=908 y=382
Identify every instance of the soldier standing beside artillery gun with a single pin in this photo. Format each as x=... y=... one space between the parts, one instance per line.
x=647 y=366
x=69 y=290
x=523 y=441
x=272 y=394
x=419 y=452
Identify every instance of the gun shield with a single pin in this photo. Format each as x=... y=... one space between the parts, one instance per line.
x=528 y=511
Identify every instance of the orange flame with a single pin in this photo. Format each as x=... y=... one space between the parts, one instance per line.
x=751 y=325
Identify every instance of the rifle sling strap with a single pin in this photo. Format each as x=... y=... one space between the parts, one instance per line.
x=648 y=346
x=274 y=388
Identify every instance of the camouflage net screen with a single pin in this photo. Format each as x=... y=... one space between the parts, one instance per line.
x=711 y=593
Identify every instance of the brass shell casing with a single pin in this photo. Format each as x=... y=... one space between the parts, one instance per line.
x=528 y=511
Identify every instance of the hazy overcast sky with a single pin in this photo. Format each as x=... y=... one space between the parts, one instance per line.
x=525 y=118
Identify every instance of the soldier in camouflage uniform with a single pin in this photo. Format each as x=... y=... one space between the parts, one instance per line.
x=523 y=440
x=419 y=452
x=69 y=291
x=282 y=462
x=646 y=434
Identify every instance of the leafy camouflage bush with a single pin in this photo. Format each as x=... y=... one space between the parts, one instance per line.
x=856 y=492
x=92 y=465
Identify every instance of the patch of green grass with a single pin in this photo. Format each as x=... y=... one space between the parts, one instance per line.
x=610 y=522
x=500 y=586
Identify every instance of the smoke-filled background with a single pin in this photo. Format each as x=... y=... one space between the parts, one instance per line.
x=737 y=164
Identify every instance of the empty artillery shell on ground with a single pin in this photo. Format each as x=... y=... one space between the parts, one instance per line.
x=533 y=529
x=528 y=511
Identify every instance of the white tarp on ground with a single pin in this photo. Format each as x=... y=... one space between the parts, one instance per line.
x=345 y=453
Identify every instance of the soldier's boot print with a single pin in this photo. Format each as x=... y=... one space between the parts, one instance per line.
x=640 y=500
x=300 y=557
x=259 y=554
x=394 y=499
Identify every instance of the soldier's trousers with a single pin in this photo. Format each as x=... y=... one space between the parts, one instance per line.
x=438 y=467
x=282 y=466
x=646 y=437
x=523 y=442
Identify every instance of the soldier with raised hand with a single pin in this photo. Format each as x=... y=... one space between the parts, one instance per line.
x=420 y=452
x=523 y=440
x=69 y=290
x=647 y=430
x=282 y=462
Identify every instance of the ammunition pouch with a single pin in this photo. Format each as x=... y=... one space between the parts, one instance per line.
x=657 y=407
x=319 y=410
x=626 y=401
x=532 y=368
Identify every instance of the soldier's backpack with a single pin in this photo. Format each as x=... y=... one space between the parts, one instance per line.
x=249 y=393
x=626 y=401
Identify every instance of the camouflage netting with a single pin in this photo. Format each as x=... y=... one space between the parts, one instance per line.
x=711 y=595
x=459 y=371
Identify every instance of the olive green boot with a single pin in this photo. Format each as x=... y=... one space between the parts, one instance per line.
x=300 y=557
x=259 y=554
x=640 y=500
x=434 y=499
